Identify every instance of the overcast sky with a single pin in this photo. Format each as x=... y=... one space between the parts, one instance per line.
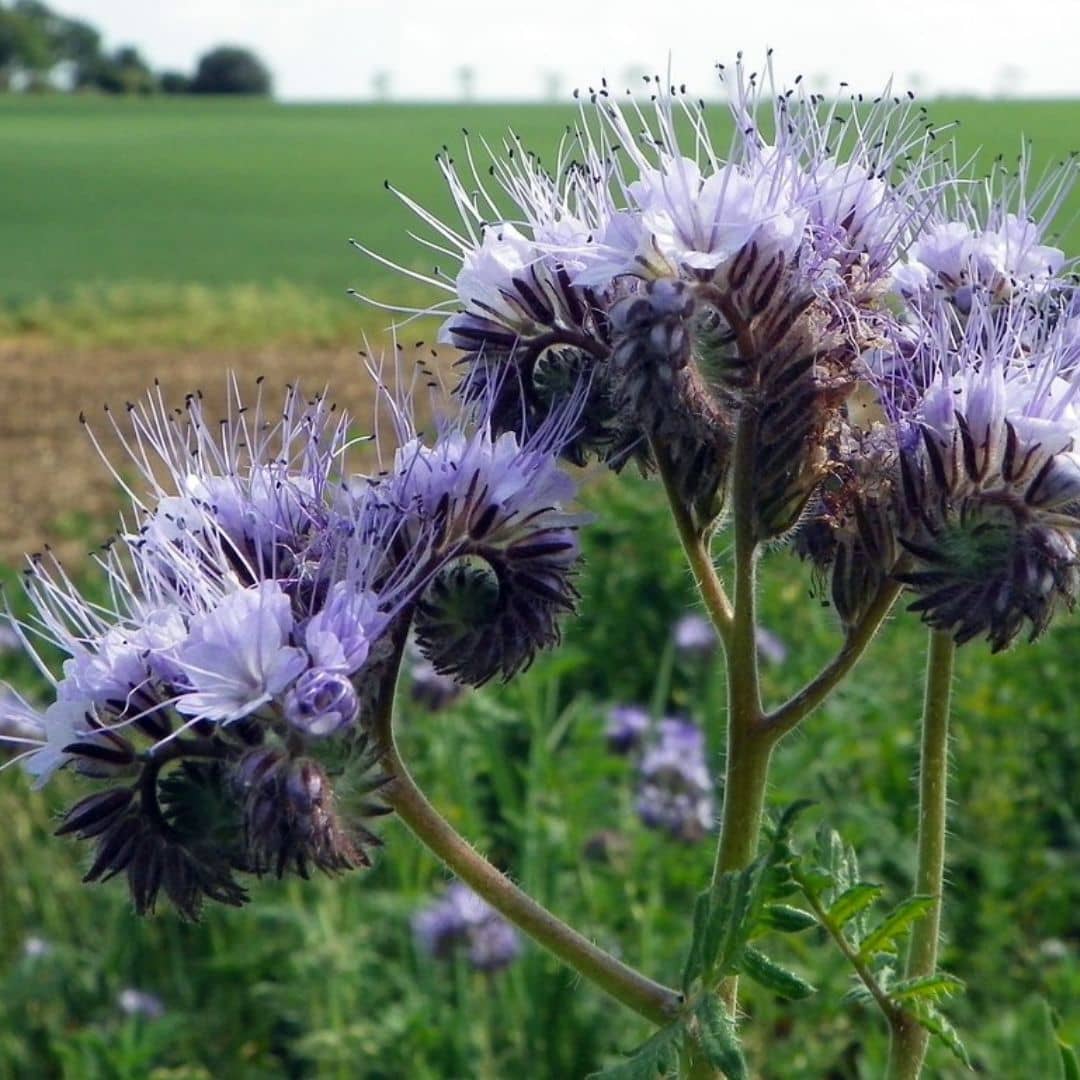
x=333 y=49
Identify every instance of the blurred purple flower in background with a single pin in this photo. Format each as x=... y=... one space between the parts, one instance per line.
x=626 y=727
x=460 y=918
x=694 y=636
x=138 y=1003
x=675 y=791
x=770 y=646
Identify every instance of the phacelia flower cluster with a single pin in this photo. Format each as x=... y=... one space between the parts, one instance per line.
x=260 y=595
x=692 y=284
x=882 y=341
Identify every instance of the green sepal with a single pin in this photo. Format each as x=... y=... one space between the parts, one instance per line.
x=717 y=1038
x=773 y=976
x=786 y=919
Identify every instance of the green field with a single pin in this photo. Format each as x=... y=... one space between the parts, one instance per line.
x=247 y=206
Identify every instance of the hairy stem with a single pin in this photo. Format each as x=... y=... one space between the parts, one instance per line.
x=782 y=719
x=647 y=998
x=696 y=547
x=749 y=748
x=907 y=1048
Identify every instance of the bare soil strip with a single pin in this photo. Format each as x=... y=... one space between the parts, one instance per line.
x=53 y=487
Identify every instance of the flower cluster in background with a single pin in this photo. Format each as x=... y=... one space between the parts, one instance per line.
x=673 y=779
x=462 y=921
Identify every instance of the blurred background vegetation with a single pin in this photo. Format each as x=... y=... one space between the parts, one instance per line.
x=178 y=237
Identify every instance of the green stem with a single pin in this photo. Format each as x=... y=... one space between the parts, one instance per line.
x=907 y=1048
x=749 y=747
x=781 y=720
x=650 y=999
x=696 y=547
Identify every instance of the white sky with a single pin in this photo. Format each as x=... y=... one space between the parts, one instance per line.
x=332 y=49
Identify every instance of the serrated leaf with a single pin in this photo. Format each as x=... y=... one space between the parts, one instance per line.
x=926 y=987
x=737 y=906
x=883 y=937
x=786 y=919
x=788 y=819
x=852 y=902
x=718 y=925
x=936 y=1024
x=773 y=976
x=816 y=882
x=718 y=1039
x=695 y=965
x=653 y=1058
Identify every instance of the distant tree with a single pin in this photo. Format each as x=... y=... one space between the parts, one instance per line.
x=122 y=72
x=79 y=44
x=174 y=82
x=25 y=49
x=229 y=69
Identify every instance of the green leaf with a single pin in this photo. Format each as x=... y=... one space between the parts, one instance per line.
x=721 y=912
x=852 y=902
x=926 y=987
x=936 y=1024
x=773 y=976
x=1069 y=1062
x=737 y=905
x=787 y=820
x=1054 y=1058
x=717 y=1037
x=785 y=919
x=695 y=964
x=653 y=1058
x=883 y=937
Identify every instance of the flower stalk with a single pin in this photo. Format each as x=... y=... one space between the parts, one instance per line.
x=907 y=1048
x=647 y=998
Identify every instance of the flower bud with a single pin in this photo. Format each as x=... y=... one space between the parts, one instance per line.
x=321 y=703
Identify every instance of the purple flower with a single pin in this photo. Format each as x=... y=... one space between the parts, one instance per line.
x=770 y=646
x=626 y=727
x=459 y=919
x=695 y=636
x=138 y=1003
x=430 y=689
x=675 y=792
x=321 y=703
x=238 y=657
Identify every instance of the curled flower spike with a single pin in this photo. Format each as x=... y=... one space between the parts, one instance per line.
x=492 y=508
x=990 y=477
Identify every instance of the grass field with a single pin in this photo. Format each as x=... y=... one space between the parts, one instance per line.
x=177 y=238
x=145 y=222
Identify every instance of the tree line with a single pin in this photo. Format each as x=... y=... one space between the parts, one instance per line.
x=41 y=49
